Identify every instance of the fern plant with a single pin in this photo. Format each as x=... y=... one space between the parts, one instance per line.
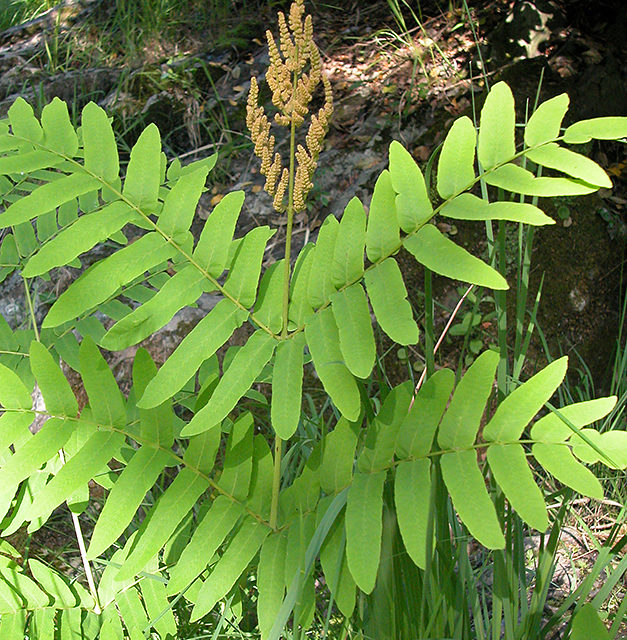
x=226 y=513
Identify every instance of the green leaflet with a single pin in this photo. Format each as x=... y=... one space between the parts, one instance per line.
x=236 y=381
x=431 y=248
x=382 y=232
x=544 y=124
x=299 y=307
x=587 y=624
x=132 y=612
x=105 y=400
x=128 y=492
x=53 y=584
x=33 y=596
x=466 y=486
x=513 y=178
x=42 y=447
x=364 y=527
x=560 y=463
x=551 y=428
x=180 y=204
x=210 y=533
x=418 y=428
x=106 y=277
x=59 y=134
x=162 y=520
x=230 y=566
x=261 y=477
x=413 y=206
x=320 y=286
x=84 y=234
x=553 y=156
x=607 y=128
x=469 y=207
x=336 y=470
x=496 y=142
x=412 y=494
x=238 y=458
x=54 y=388
x=352 y=316
x=456 y=170
x=200 y=455
x=155 y=425
x=157 y=606
x=335 y=567
x=517 y=409
x=181 y=290
x=388 y=297
x=269 y=305
x=270 y=582
x=287 y=386
x=101 y=151
x=79 y=469
x=196 y=347
x=460 y=423
x=612 y=443
x=324 y=345
x=348 y=254
x=13 y=393
x=511 y=471
x=143 y=174
x=48 y=197
x=212 y=249
x=25 y=163
x=378 y=449
x=23 y=121
x=246 y=267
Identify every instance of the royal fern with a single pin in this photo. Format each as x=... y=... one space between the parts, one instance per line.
x=64 y=195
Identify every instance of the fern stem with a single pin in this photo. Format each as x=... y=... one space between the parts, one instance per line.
x=83 y=551
x=31 y=308
x=429 y=335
